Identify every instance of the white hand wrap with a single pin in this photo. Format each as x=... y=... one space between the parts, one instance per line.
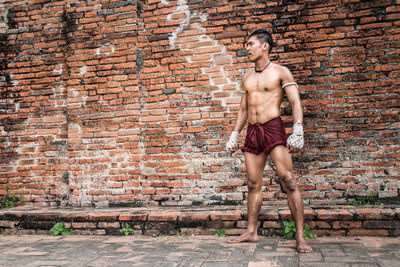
x=232 y=140
x=296 y=140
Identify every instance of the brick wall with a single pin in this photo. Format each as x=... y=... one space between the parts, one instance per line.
x=109 y=103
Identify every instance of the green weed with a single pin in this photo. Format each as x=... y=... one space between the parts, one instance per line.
x=289 y=230
x=60 y=229
x=127 y=229
x=220 y=232
x=10 y=201
x=361 y=201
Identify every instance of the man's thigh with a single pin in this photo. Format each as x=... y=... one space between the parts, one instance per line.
x=255 y=165
x=282 y=159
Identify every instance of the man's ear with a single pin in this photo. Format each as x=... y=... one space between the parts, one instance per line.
x=265 y=46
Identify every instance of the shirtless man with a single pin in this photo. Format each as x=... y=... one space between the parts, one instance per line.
x=263 y=89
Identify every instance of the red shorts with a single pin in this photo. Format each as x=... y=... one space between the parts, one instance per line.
x=264 y=137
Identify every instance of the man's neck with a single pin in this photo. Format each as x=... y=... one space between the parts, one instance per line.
x=261 y=63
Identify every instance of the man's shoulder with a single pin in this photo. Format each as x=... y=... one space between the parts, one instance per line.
x=282 y=71
x=279 y=67
x=247 y=74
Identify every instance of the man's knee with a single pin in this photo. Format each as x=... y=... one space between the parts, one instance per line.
x=287 y=180
x=253 y=186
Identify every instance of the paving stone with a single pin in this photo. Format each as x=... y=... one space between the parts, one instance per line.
x=393 y=246
x=224 y=264
x=219 y=255
x=161 y=264
x=314 y=256
x=363 y=264
x=388 y=260
x=324 y=264
x=271 y=255
x=193 y=251
x=142 y=264
x=339 y=239
x=261 y=264
x=287 y=261
x=348 y=259
x=50 y=262
x=355 y=250
x=193 y=260
x=329 y=252
x=330 y=246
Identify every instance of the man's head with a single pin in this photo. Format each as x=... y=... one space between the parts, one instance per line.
x=260 y=41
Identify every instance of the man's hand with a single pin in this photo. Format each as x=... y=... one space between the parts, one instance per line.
x=292 y=150
x=232 y=145
x=295 y=142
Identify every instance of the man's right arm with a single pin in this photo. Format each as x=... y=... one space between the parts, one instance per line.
x=242 y=113
x=241 y=119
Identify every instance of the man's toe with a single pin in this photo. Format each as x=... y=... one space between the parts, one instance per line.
x=304 y=250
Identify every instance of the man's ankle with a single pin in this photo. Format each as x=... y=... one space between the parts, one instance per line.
x=301 y=235
x=253 y=231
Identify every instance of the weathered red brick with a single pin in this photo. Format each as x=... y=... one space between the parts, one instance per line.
x=163 y=216
x=78 y=225
x=378 y=224
x=334 y=215
x=346 y=224
x=228 y=215
x=285 y=215
x=109 y=225
x=272 y=224
x=374 y=213
x=362 y=232
x=194 y=216
x=106 y=216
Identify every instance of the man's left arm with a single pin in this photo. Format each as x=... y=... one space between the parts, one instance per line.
x=296 y=140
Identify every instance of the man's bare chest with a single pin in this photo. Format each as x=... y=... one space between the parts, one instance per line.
x=261 y=83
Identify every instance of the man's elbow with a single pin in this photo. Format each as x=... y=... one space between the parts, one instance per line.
x=295 y=103
x=243 y=111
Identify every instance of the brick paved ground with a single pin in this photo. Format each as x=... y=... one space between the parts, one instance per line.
x=42 y=250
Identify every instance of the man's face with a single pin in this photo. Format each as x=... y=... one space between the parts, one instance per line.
x=254 y=48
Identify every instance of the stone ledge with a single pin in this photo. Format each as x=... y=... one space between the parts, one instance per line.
x=323 y=220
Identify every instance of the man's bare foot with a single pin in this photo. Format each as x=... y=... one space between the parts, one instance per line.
x=302 y=246
x=245 y=237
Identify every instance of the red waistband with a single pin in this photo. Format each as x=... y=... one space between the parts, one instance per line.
x=264 y=123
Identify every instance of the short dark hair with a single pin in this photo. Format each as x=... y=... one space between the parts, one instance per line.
x=264 y=37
